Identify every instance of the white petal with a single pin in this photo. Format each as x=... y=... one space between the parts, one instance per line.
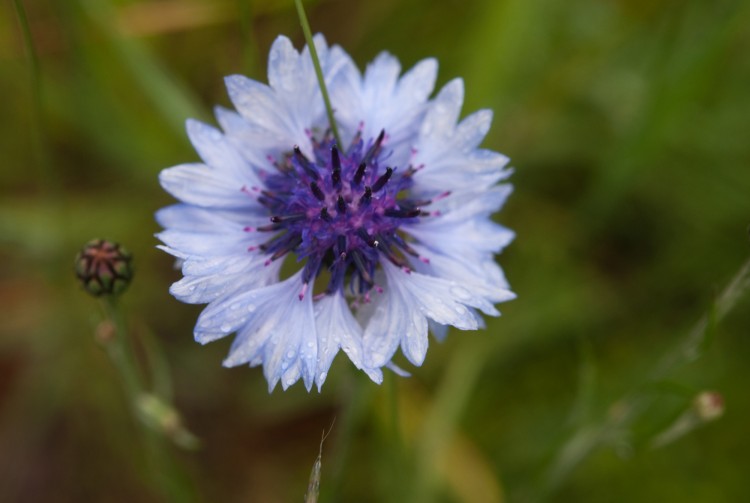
x=462 y=238
x=237 y=274
x=475 y=272
x=394 y=321
x=400 y=314
x=254 y=142
x=256 y=103
x=464 y=205
x=186 y=217
x=338 y=329
x=202 y=186
x=218 y=152
x=443 y=112
x=447 y=152
x=283 y=65
x=274 y=327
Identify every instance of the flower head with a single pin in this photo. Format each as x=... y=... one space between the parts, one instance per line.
x=390 y=229
x=104 y=268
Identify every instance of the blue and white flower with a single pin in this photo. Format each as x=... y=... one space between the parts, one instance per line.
x=390 y=229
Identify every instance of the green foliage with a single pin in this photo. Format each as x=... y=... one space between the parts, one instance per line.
x=627 y=125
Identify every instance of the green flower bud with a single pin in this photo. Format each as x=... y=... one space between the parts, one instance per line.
x=104 y=267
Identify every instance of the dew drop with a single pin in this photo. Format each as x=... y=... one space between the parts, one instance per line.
x=284 y=365
x=310 y=344
x=250 y=308
x=322 y=376
x=226 y=327
x=460 y=293
x=290 y=354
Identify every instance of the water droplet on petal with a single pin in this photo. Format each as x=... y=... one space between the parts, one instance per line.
x=322 y=375
x=226 y=327
x=250 y=308
x=460 y=293
x=290 y=354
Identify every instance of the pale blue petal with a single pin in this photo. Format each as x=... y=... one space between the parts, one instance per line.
x=338 y=330
x=274 y=328
x=401 y=312
x=202 y=186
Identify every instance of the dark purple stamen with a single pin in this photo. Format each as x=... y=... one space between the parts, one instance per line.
x=317 y=192
x=287 y=218
x=374 y=150
x=361 y=232
x=341 y=205
x=305 y=164
x=366 y=197
x=380 y=183
x=399 y=213
x=336 y=165
x=320 y=211
x=360 y=173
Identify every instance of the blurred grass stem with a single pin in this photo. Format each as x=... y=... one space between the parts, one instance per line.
x=48 y=178
x=632 y=405
x=121 y=353
x=355 y=399
x=162 y=469
x=173 y=101
x=438 y=429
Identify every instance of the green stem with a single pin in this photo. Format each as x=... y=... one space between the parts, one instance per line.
x=121 y=354
x=167 y=477
x=318 y=70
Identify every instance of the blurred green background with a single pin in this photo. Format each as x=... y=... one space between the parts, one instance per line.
x=627 y=123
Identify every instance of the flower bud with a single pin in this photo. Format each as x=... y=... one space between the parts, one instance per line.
x=709 y=405
x=104 y=267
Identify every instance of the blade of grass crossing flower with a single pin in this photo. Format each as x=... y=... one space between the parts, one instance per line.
x=318 y=70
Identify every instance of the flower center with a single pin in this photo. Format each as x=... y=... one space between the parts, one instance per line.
x=340 y=211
